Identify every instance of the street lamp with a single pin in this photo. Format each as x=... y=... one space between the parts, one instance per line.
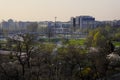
x=55 y=27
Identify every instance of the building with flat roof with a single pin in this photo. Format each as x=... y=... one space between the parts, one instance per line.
x=82 y=22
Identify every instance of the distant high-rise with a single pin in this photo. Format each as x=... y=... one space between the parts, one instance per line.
x=73 y=23
x=5 y=26
x=12 y=25
x=83 y=22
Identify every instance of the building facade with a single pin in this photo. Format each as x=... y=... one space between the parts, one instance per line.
x=82 y=22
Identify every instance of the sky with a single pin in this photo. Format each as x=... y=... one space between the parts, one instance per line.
x=47 y=10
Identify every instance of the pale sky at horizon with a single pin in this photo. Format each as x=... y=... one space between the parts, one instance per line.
x=41 y=10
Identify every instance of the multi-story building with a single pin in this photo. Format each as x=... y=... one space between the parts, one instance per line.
x=21 y=26
x=0 y=30
x=82 y=22
x=32 y=27
x=43 y=26
x=12 y=27
x=62 y=27
x=55 y=27
x=5 y=25
x=73 y=23
x=116 y=23
x=9 y=26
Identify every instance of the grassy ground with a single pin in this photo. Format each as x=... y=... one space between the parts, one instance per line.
x=117 y=44
x=82 y=41
x=47 y=40
x=2 y=41
x=76 y=42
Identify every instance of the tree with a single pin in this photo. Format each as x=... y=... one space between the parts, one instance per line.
x=42 y=62
x=71 y=58
x=98 y=63
x=117 y=36
x=24 y=49
x=98 y=39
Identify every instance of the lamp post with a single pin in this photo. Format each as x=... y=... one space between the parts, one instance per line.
x=55 y=27
x=56 y=67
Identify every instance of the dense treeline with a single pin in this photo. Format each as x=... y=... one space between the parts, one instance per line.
x=32 y=60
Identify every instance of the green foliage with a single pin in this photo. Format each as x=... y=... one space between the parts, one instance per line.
x=46 y=48
x=78 y=42
x=86 y=71
x=72 y=58
x=71 y=61
x=51 y=40
x=116 y=43
x=11 y=55
x=2 y=41
x=98 y=39
x=117 y=36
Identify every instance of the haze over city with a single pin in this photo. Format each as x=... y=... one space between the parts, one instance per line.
x=41 y=10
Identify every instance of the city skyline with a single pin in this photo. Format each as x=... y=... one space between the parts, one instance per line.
x=46 y=10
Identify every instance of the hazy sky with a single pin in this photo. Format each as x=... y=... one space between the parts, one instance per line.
x=40 y=10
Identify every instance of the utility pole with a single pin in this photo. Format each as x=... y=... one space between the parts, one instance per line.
x=55 y=27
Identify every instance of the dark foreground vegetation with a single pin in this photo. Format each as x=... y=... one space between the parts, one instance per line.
x=86 y=59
